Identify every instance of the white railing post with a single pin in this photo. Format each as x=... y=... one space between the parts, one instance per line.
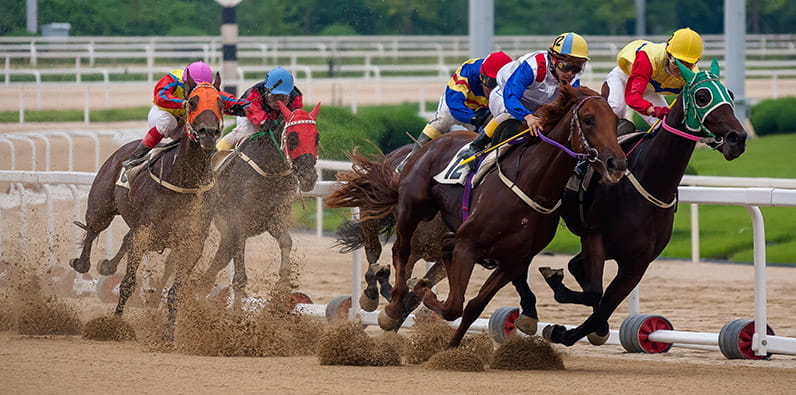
x=694 y=233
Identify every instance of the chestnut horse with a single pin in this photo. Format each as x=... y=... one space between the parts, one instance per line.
x=512 y=211
x=631 y=222
x=168 y=205
x=351 y=235
x=257 y=186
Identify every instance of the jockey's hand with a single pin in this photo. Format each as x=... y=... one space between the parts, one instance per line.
x=534 y=124
x=237 y=110
x=480 y=117
x=658 y=112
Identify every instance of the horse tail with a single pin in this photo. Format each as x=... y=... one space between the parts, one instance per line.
x=370 y=185
x=350 y=237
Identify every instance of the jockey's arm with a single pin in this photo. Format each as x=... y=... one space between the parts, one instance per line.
x=164 y=93
x=640 y=74
x=231 y=101
x=518 y=82
x=454 y=98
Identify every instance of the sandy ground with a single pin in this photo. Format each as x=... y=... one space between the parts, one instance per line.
x=693 y=297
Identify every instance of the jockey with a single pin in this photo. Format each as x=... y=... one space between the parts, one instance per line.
x=465 y=101
x=261 y=108
x=646 y=71
x=165 y=116
x=529 y=82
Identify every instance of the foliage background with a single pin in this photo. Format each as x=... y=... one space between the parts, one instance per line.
x=389 y=17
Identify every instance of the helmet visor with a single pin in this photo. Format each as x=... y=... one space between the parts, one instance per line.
x=568 y=67
x=488 y=81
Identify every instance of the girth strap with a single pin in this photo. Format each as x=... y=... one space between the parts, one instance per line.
x=525 y=198
x=643 y=192
x=259 y=170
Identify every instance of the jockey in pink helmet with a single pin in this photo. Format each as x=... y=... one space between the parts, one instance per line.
x=165 y=115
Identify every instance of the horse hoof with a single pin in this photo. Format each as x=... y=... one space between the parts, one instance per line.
x=548 y=272
x=547 y=333
x=80 y=267
x=386 y=323
x=526 y=325
x=597 y=340
x=106 y=268
x=368 y=304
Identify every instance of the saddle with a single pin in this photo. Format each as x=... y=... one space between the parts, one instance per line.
x=126 y=176
x=454 y=173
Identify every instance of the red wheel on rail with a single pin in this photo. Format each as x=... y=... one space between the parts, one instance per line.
x=299 y=298
x=501 y=323
x=735 y=339
x=108 y=288
x=337 y=308
x=635 y=330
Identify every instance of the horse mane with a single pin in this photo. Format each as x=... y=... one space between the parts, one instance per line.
x=551 y=113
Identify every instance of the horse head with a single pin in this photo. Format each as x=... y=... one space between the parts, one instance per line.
x=708 y=112
x=204 y=106
x=592 y=129
x=300 y=143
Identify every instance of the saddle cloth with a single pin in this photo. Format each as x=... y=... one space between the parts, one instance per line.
x=454 y=173
x=126 y=175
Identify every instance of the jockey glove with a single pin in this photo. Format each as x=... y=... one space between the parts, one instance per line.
x=237 y=110
x=481 y=116
x=660 y=112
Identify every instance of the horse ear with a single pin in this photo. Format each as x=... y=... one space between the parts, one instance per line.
x=315 y=111
x=217 y=81
x=189 y=82
x=714 y=67
x=687 y=74
x=285 y=111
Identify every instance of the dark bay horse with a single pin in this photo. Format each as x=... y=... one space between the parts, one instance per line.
x=352 y=235
x=168 y=205
x=512 y=211
x=631 y=222
x=257 y=187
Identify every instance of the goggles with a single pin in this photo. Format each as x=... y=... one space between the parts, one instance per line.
x=568 y=67
x=690 y=66
x=487 y=81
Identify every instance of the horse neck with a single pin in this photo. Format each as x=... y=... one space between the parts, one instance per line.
x=266 y=154
x=190 y=166
x=663 y=159
x=548 y=168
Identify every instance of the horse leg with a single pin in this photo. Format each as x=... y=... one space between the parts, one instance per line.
x=239 y=277
x=395 y=312
x=153 y=296
x=226 y=250
x=475 y=306
x=285 y=242
x=135 y=240
x=184 y=259
x=376 y=274
x=587 y=268
x=627 y=277
x=459 y=267
x=529 y=317
x=97 y=220
x=108 y=267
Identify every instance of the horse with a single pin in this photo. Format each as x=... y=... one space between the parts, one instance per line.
x=257 y=185
x=352 y=235
x=167 y=205
x=504 y=223
x=631 y=222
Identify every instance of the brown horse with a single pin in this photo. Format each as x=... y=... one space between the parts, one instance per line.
x=257 y=187
x=351 y=235
x=168 y=205
x=631 y=222
x=505 y=224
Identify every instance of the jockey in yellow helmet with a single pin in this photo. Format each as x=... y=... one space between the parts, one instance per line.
x=646 y=71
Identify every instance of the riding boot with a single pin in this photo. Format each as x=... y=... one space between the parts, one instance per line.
x=624 y=126
x=478 y=145
x=136 y=157
x=421 y=141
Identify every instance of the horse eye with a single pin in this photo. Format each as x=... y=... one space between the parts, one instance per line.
x=703 y=97
x=292 y=141
x=317 y=139
x=588 y=120
x=732 y=95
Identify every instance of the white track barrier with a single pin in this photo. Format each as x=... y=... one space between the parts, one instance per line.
x=752 y=198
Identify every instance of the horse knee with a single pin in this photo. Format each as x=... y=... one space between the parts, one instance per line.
x=591 y=298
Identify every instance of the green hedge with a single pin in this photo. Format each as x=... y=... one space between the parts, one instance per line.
x=373 y=129
x=774 y=116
